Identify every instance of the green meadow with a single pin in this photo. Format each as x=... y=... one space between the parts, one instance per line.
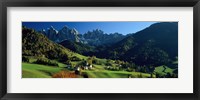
x=42 y=71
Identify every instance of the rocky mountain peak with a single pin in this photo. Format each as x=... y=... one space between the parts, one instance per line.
x=74 y=31
x=64 y=34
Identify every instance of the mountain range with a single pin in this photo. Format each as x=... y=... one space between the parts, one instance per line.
x=94 y=38
x=153 y=46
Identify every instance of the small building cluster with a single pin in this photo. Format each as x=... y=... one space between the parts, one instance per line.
x=83 y=67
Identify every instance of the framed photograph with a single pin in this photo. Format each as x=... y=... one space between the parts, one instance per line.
x=102 y=49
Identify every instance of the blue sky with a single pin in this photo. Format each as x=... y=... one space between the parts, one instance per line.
x=83 y=27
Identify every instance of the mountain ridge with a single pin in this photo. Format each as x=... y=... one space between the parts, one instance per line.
x=94 y=38
x=153 y=44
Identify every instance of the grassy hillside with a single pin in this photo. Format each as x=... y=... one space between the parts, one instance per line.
x=116 y=74
x=42 y=71
x=163 y=70
x=37 y=45
x=38 y=71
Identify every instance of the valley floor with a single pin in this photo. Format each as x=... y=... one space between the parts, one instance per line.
x=42 y=71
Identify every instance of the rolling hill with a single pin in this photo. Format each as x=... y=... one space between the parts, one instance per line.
x=77 y=46
x=38 y=45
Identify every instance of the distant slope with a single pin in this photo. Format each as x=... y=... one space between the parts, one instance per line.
x=77 y=46
x=155 y=45
x=164 y=35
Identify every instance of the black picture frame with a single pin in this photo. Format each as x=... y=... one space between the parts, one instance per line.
x=98 y=3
